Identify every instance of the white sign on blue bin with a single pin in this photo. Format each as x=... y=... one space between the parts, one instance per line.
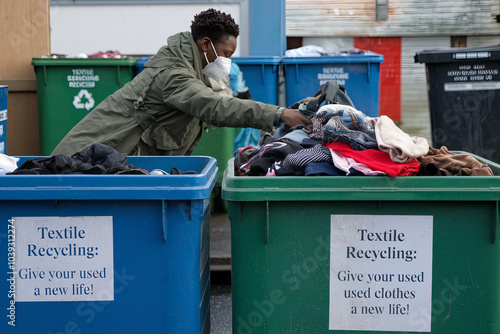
x=64 y=258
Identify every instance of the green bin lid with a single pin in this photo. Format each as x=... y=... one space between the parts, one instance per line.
x=362 y=188
x=129 y=61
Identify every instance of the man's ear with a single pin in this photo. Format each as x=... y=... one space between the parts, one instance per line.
x=205 y=44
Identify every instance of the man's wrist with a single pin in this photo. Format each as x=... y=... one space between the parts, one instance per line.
x=277 y=116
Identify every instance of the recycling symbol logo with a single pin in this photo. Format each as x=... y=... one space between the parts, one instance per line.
x=83 y=100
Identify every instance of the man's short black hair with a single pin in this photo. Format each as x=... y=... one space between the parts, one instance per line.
x=213 y=24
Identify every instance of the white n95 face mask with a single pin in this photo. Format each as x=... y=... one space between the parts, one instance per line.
x=219 y=68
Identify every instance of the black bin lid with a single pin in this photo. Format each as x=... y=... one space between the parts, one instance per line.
x=485 y=53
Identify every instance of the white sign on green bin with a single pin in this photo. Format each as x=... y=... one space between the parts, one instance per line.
x=381 y=273
x=64 y=258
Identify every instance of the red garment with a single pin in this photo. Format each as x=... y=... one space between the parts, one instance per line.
x=376 y=160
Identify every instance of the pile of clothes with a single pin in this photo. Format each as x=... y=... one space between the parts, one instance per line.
x=96 y=159
x=344 y=141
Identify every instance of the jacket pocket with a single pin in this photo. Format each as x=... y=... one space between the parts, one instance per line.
x=158 y=135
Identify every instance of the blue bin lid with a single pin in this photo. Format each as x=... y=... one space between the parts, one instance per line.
x=257 y=60
x=142 y=60
x=486 y=53
x=348 y=58
x=118 y=187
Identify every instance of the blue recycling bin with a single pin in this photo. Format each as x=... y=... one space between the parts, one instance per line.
x=261 y=75
x=108 y=253
x=3 y=118
x=358 y=73
x=141 y=61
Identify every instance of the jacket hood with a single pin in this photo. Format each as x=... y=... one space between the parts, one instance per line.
x=180 y=48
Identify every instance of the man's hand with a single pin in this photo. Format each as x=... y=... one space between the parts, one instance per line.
x=293 y=117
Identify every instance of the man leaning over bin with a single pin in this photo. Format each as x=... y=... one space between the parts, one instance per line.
x=162 y=110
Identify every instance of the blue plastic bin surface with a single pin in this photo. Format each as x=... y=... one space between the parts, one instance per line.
x=3 y=118
x=261 y=75
x=160 y=235
x=358 y=73
x=140 y=63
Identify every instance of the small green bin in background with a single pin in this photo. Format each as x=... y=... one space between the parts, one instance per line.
x=365 y=254
x=218 y=143
x=69 y=88
x=215 y=142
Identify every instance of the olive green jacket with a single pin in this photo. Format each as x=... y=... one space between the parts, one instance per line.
x=162 y=110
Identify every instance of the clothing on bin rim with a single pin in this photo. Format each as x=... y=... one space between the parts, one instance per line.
x=95 y=159
x=452 y=164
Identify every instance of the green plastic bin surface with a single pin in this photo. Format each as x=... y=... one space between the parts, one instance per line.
x=217 y=143
x=286 y=233
x=69 y=88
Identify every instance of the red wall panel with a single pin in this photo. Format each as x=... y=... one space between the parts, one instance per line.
x=390 y=72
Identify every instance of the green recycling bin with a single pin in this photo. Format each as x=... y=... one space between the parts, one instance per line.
x=364 y=254
x=69 y=88
x=218 y=143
